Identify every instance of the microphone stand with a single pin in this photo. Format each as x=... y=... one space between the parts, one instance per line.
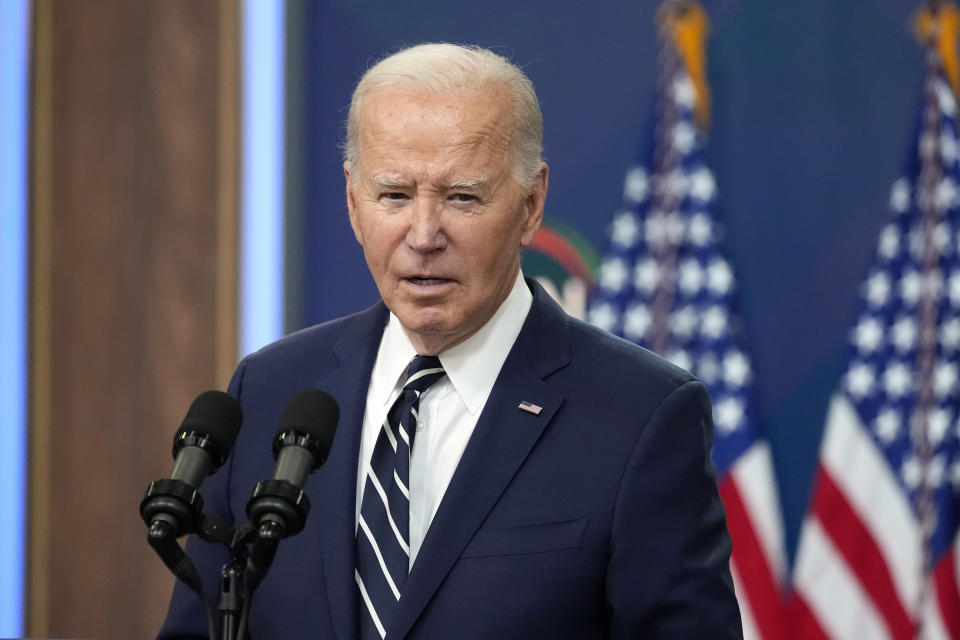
x=230 y=601
x=281 y=508
x=233 y=596
x=251 y=550
x=249 y=573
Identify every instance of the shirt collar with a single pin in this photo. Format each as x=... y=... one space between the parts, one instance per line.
x=472 y=366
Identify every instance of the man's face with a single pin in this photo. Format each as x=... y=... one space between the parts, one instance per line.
x=436 y=210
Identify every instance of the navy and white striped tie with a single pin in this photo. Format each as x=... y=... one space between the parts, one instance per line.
x=383 y=534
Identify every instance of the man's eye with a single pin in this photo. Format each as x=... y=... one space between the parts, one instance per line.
x=464 y=197
x=393 y=195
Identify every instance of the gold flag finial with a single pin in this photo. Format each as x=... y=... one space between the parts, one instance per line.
x=937 y=25
x=686 y=24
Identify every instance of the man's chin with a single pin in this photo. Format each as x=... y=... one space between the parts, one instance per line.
x=430 y=330
x=427 y=327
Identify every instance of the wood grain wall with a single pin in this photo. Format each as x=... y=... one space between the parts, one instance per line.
x=133 y=267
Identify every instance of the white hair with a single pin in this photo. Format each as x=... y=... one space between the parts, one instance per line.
x=441 y=67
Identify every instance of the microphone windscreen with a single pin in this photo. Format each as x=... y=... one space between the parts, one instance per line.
x=312 y=412
x=217 y=415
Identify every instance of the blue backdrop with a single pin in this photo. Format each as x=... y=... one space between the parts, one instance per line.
x=813 y=108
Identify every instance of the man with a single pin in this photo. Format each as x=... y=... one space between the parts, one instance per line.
x=546 y=480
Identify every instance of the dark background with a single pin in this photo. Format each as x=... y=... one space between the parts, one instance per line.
x=813 y=109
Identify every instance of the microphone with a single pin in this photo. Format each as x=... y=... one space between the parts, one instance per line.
x=173 y=507
x=278 y=507
x=301 y=444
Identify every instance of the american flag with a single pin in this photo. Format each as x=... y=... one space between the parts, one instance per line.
x=666 y=285
x=878 y=553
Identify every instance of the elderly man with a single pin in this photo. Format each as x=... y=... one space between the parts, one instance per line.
x=501 y=470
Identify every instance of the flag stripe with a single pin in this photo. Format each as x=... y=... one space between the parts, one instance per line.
x=753 y=473
x=833 y=594
x=803 y=622
x=861 y=553
x=747 y=619
x=932 y=624
x=947 y=593
x=760 y=587
x=863 y=476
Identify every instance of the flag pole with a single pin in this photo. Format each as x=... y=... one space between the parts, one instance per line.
x=666 y=284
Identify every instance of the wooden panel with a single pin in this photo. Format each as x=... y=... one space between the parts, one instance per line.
x=133 y=287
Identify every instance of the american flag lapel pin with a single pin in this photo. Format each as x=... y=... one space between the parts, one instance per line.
x=529 y=407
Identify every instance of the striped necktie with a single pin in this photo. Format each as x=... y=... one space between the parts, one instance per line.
x=383 y=534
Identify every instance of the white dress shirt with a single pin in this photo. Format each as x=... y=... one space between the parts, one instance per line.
x=448 y=410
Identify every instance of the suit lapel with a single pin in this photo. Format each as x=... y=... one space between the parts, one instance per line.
x=336 y=482
x=500 y=443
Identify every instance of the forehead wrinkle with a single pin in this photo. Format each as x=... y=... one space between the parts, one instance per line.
x=393 y=140
x=392 y=132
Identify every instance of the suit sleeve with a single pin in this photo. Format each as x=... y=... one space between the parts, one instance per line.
x=186 y=618
x=670 y=547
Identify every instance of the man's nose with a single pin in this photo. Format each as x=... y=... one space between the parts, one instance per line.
x=425 y=232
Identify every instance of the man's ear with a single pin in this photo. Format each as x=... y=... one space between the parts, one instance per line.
x=351 y=203
x=533 y=206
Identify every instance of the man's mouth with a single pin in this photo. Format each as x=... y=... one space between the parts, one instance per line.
x=427 y=281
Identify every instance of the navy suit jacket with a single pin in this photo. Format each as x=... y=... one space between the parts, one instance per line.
x=597 y=518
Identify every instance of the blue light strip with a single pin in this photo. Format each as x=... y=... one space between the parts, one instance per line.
x=261 y=250
x=14 y=66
